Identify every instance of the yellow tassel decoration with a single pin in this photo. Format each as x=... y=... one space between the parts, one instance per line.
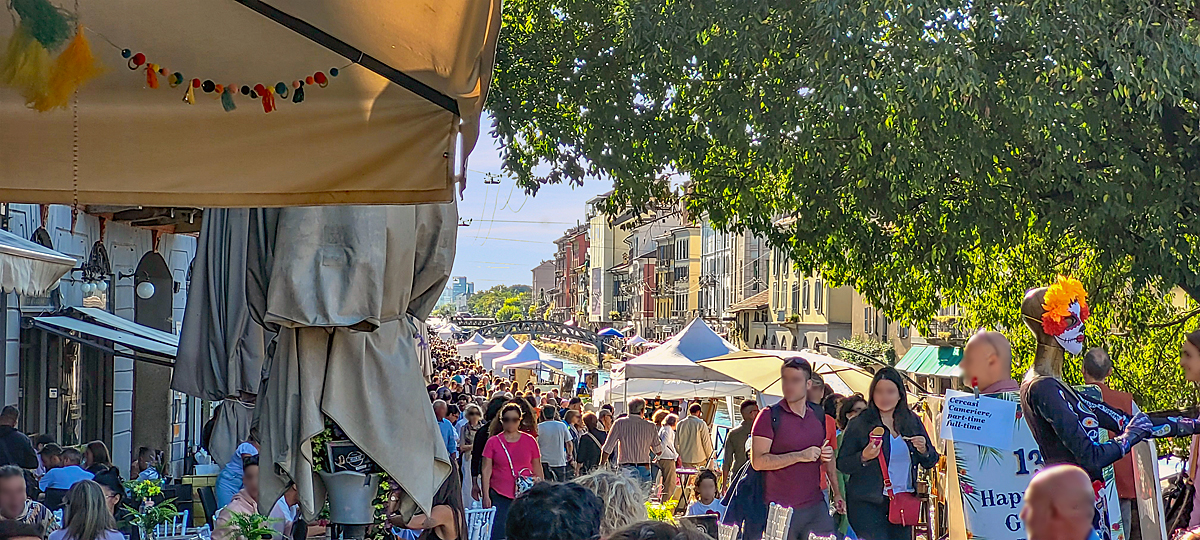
x=75 y=66
x=26 y=66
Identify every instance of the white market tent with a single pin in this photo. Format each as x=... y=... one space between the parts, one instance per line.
x=473 y=346
x=501 y=349
x=525 y=357
x=411 y=81
x=676 y=358
x=637 y=340
x=447 y=332
x=29 y=268
x=669 y=371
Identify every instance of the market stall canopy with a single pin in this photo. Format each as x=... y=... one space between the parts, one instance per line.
x=29 y=268
x=620 y=390
x=760 y=370
x=613 y=332
x=505 y=346
x=637 y=340
x=394 y=85
x=472 y=345
x=676 y=358
x=523 y=354
x=447 y=332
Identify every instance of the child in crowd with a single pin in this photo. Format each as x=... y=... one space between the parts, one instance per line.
x=706 y=490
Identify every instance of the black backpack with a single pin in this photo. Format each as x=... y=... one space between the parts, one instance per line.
x=745 y=501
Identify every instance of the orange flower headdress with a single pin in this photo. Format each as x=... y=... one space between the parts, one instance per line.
x=1057 y=304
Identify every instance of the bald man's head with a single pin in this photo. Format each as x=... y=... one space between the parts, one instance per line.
x=1059 y=504
x=986 y=358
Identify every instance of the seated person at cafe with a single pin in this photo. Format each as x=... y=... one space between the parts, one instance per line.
x=68 y=474
x=16 y=506
x=245 y=502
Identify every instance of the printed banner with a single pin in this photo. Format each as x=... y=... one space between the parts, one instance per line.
x=992 y=482
x=983 y=420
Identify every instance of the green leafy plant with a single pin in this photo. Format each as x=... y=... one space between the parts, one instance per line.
x=149 y=515
x=663 y=511
x=143 y=489
x=793 y=318
x=251 y=526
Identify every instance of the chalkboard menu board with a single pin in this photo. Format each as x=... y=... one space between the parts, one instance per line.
x=345 y=456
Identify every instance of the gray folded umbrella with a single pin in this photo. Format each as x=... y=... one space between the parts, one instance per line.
x=342 y=285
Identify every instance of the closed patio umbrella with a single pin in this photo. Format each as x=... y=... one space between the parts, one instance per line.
x=344 y=304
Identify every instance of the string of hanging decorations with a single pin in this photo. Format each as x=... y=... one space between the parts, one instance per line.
x=42 y=27
x=226 y=92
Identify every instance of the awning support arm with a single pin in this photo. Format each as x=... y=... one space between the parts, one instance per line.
x=320 y=37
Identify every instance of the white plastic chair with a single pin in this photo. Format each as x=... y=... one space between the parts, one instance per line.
x=727 y=532
x=779 y=520
x=479 y=523
x=176 y=527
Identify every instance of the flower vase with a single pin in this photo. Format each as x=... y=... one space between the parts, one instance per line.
x=147 y=533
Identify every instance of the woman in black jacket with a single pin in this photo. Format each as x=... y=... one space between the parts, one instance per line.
x=903 y=447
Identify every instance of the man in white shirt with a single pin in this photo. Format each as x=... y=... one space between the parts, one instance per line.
x=554 y=442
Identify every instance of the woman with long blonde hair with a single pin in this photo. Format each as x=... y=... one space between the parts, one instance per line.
x=624 y=499
x=87 y=516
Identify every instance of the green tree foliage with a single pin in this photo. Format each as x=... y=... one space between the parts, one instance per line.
x=884 y=351
x=488 y=303
x=511 y=310
x=444 y=311
x=925 y=152
x=906 y=144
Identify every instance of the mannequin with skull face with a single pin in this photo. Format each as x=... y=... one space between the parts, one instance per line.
x=1066 y=424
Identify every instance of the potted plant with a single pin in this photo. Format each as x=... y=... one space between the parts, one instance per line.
x=147 y=514
x=251 y=526
x=351 y=479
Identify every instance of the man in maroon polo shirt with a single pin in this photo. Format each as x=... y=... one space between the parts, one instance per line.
x=789 y=446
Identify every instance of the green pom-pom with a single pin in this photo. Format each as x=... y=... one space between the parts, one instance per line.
x=48 y=24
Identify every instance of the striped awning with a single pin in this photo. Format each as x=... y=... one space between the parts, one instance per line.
x=932 y=360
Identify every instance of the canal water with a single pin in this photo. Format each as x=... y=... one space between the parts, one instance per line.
x=573 y=367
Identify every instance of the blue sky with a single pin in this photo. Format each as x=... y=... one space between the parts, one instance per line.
x=493 y=250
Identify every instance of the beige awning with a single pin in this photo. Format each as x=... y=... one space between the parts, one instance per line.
x=363 y=139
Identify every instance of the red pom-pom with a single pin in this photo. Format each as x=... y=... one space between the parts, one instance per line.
x=195 y=83
x=308 y=80
x=320 y=78
x=260 y=89
x=139 y=59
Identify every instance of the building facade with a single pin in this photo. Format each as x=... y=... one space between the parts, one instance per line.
x=716 y=279
x=543 y=285
x=570 y=266
x=65 y=367
x=606 y=250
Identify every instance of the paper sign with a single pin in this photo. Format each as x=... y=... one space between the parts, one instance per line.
x=985 y=421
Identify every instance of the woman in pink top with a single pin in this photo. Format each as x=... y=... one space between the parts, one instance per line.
x=245 y=502
x=507 y=455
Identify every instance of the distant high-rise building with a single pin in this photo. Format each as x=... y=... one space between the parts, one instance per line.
x=460 y=290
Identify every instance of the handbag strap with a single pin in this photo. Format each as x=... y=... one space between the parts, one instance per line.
x=887 y=479
x=594 y=439
x=512 y=468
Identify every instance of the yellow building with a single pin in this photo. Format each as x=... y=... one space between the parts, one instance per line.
x=802 y=309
